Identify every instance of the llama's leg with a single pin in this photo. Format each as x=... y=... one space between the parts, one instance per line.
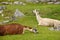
x=56 y=26
x=38 y=24
x=23 y=31
x=51 y=28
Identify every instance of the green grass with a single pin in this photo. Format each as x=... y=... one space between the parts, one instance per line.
x=30 y=20
x=45 y=10
x=44 y=32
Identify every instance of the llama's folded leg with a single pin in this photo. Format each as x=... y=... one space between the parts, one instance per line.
x=56 y=27
x=23 y=30
x=51 y=28
x=38 y=24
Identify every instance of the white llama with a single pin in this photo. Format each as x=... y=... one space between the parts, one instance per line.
x=47 y=21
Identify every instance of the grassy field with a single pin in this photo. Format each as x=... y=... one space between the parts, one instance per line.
x=49 y=11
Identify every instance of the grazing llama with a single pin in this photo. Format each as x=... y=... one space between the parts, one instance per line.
x=15 y=28
x=55 y=24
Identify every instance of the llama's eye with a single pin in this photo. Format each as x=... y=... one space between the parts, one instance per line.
x=35 y=30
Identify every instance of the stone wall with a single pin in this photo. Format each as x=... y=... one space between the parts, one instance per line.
x=42 y=0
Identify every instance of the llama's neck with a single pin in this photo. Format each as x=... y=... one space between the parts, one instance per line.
x=38 y=17
x=34 y=30
x=28 y=28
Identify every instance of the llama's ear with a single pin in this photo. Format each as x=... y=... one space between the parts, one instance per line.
x=34 y=11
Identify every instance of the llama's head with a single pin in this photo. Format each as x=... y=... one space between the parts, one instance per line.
x=34 y=30
x=35 y=11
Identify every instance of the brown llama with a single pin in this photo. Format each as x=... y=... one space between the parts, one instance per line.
x=15 y=28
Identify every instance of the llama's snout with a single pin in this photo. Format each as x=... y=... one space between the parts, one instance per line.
x=35 y=30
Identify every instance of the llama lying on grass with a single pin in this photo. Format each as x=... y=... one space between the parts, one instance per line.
x=15 y=28
x=47 y=21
